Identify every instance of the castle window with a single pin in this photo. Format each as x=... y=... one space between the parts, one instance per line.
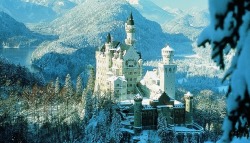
x=117 y=85
x=130 y=73
x=170 y=69
x=130 y=79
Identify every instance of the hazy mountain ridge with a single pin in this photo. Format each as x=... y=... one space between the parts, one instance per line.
x=175 y=21
x=27 y=12
x=151 y=11
x=189 y=23
x=33 y=11
x=15 y=34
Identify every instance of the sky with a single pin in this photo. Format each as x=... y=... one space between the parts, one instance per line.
x=182 y=4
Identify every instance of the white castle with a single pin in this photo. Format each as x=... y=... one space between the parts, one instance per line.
x=119 y=68
x=118 y=65
x=119 y=73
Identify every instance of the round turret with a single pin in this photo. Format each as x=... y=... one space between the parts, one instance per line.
x=188 y=95
x=130 y=30
x=138 y=114
x=188 y=108
x=167 y=55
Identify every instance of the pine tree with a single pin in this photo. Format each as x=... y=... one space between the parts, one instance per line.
x=57 y=86
x=68 y=86
x=79 y=86
x=115 y=128
x=91 y=80
x=163 y=131
x=88 y=108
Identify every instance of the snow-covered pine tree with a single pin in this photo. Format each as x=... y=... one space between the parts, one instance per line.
x=57 y=86
x=229 y=29
x=88 y=112
x=79 y=86
x=68 y=86
x=163 y=131
x=91 y=80
x=115 y=128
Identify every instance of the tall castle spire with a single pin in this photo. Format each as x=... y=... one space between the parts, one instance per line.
x=130 y=30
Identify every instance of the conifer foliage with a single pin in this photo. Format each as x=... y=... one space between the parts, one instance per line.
x=229 y=29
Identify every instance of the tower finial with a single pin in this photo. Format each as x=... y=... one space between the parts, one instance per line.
x=108 y=38
x=131 y=16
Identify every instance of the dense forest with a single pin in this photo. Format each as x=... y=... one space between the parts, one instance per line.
x=33 y=110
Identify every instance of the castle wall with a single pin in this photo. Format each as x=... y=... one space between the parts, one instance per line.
x=167 y=78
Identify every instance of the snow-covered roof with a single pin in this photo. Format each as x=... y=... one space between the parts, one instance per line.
x=114 y=78
x=155 y=96
x=178 y=103
x=188 y=94
x=168 y=48
x=151 y=75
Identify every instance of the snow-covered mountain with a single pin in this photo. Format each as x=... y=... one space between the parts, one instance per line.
x=85 y=27
x=151 y=11
x=15 y=34
x=88 y=24
x=33 y=11
x=189 y=23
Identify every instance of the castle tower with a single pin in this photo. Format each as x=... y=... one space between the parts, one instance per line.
x=108 y=46
x=167 y=70
x=137 y=114
x=130 y=30
x=188 y=108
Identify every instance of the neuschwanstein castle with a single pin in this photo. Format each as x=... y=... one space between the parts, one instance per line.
x=143 y=99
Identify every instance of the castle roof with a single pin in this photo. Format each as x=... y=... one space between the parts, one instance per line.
x=108 y=38
x=130 y=20
x=114 y=78
x=116 y=45
x=152 y=75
